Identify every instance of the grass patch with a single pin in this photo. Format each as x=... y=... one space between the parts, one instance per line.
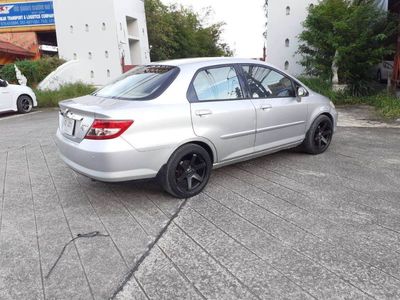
x=51 y=98
x=386 y=104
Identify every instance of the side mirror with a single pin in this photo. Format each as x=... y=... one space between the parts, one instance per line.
x=301 y=92
x=3 y=83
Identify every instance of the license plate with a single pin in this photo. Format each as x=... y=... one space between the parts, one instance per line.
x=69 y=126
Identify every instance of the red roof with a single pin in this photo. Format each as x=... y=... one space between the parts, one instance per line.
x=9 y=48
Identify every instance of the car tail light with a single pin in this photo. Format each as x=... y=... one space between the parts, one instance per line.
x=107 y=129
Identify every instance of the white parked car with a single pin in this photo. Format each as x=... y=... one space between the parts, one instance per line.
x=16 y=98
x=384 y=70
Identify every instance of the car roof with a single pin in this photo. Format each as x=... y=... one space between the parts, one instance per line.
x=206 y=61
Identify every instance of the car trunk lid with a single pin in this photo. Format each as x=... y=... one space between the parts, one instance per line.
x=77 y=115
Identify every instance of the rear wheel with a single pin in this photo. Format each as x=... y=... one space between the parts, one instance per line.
x=319 y=136
x=24 y=104
x=187 y=171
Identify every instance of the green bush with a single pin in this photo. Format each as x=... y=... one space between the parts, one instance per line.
x=323 y=87
x=34 y=71
x=387 y=105
x=51 y=98
x=177 y=32
x=354 y=34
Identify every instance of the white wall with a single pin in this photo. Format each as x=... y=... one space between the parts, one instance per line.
x=90 y=31
x=134 y=10
x=282 y=27
x=64 y=74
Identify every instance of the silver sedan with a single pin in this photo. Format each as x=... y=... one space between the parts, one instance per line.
x=176 y=120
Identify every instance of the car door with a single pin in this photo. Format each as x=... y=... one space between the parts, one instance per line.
x=6 y=97
x=281 y=116
x=220 y=112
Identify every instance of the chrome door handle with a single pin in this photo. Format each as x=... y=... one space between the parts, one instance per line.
x=266 y=106
x=203 y=112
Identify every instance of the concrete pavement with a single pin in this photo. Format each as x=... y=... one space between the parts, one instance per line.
x=288 y=225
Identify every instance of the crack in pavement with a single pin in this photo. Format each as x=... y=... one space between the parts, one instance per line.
x=149 y=248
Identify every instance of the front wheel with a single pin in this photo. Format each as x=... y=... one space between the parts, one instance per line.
x=319 y=136
x=24 y=104
x=187 y=171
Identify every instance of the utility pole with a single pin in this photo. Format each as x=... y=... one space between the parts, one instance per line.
x=265 y=53
x=396 y=67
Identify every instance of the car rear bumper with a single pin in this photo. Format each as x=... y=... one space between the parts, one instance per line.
x=110 y=160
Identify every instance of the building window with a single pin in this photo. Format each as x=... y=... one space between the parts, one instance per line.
x=108 y=73
x=287 y=43
x=286 y=65
x=91 y=74
x=287 y=10
x=106 y=54
x=87 y=27
x=132 y=26
x=71 y=29
x=103 y=26
x=75 y=56
x=90 y=55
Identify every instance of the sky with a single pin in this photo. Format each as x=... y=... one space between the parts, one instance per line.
x=245 y=22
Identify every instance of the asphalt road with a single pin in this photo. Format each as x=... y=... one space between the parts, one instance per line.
x=288 y=225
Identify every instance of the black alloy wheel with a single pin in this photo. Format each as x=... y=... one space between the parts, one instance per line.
x=187 y=171
x=24 y=104
x=190 y=172
x=323 y=135
x=319 y=136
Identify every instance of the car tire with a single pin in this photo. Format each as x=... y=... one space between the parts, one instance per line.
x=187 y=171
x=24 y=104
x=319 y=136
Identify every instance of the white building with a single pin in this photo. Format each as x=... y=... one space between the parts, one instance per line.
x=285 y=18
x=98 y=38
x=100 y=34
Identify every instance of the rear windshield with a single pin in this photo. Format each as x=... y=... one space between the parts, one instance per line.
x=141 y=83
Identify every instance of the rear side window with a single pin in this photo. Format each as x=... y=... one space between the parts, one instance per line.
x=141 y=83
x=220 y=83
x=264 y=82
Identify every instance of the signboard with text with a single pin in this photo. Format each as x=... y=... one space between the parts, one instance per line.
x=23 y=14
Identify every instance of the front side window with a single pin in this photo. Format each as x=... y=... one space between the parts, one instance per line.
x=220 y=83
x=141 y=83
x=264 y=82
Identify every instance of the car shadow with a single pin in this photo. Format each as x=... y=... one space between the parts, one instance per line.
x=146 y=185
x=8 y=114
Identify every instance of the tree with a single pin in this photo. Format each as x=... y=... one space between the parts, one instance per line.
x=178 y=32
x=357 y=31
